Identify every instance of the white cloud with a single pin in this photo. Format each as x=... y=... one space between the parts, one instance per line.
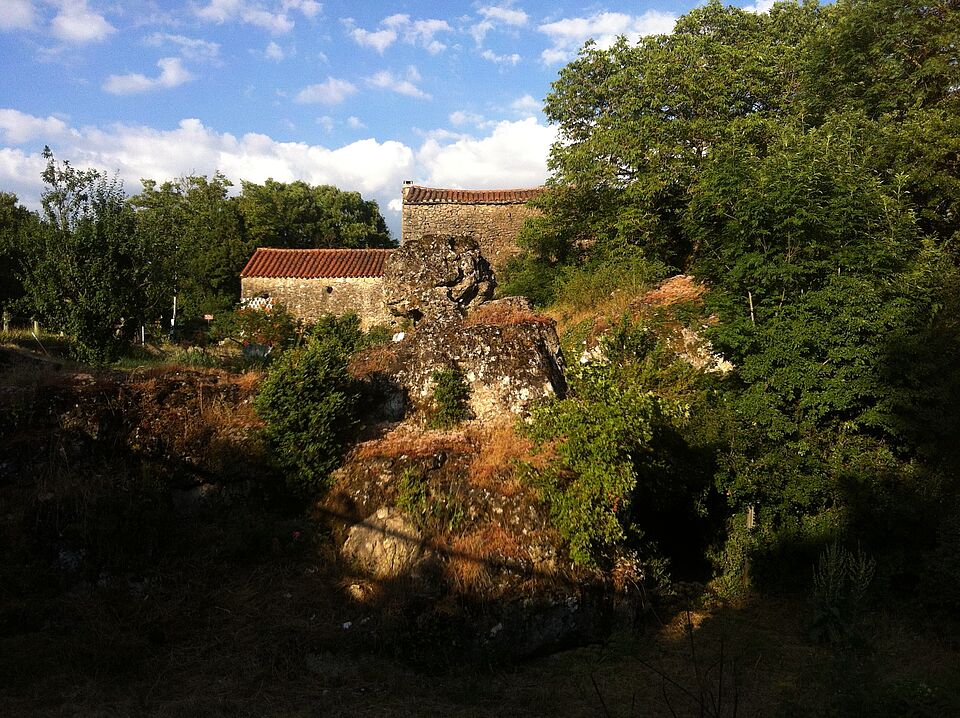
x=386 y=80
x=17 y=127
x=569 y=34
x=493 y=16
x=460 y=117
x=172 y=74
x=379 y=40
x=274 y=17
x=490 y=55
x=355 y=123
x=525 y=106
x=274 y=52
x=421 y=33
x=327 y=123
x=75 y=22
x=190 y=48
x=309 y=8
x=759 y=6
x=505 y=15
x=17 y=14
x=331 y=92
x=513 y=155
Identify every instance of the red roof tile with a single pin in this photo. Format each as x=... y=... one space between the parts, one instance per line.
x=316 y=263
x=413 y=194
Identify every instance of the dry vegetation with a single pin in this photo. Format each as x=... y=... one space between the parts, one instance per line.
x=247 y=611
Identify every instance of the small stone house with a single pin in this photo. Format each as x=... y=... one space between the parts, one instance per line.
x=313 y=282
x=492 y=217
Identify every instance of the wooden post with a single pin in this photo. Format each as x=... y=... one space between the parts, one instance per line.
x=6 y=321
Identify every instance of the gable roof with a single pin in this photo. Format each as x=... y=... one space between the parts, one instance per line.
x=268 y=262
x=414 y=194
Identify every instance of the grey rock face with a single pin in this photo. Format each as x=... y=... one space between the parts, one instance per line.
x=437 y=277
x=386 y=544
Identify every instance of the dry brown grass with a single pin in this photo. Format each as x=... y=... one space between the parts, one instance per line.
x=504 y=315
x=675 y=290
x=473 y=557
x=498 y=450
x=373 y=360
x=406 y=440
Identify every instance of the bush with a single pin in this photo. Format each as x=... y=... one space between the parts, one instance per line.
x=527 y=276
x=606 y=272
x=309 y=403
x=274 y=327
x=840 y=582
x=450 y=397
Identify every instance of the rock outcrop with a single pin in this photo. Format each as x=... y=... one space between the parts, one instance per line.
x=385 y=545
x=509 y=356
x=436 y=278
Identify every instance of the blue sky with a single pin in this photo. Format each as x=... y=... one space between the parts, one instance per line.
x=362 y=95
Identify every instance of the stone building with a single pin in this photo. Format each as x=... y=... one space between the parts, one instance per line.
x=312 y=282
x=492 y=217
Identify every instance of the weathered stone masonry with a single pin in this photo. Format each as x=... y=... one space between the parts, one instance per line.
x=492 y=217
x=314 y=282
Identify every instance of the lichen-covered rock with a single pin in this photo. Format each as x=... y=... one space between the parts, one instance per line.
x=437 y=278
x=385 y=545
x=508 y=367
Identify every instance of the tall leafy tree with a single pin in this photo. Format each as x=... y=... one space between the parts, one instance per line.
x=202 y=232
x=90 y=273
x=637 y=122
x=299 y=215
x=17 y=223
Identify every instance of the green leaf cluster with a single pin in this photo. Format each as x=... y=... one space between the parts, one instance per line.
x=802 y=164
x=451 y=396
x=309 y=403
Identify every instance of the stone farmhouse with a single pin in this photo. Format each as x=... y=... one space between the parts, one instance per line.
x=492 y=217
x=312 y=282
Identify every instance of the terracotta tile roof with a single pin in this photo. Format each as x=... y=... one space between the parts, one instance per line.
x=413 y=194
x=316 y=263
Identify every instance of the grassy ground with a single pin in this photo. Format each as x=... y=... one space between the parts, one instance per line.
x=268 y=638
x=248 y=612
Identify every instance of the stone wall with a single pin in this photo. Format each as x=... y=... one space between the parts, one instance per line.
x=309 y=299
x=494 y=226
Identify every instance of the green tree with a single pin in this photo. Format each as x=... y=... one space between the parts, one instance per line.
x=89 y=272
x=637 y=122
x=309 y=402
x=17 y=223
x=203 y=238
x=299 y=215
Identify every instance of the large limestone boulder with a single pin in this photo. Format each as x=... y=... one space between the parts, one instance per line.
x=508 y=366
x=437 y=278
x=385 y=545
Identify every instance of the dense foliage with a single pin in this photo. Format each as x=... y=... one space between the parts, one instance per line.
x=99 y=265
x=802 y=163
x=619 y=457
x=88 y=270
x=450 y=399
x=309 y=402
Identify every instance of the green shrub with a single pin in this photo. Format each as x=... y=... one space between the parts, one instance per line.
x=527 y=276
x=274 y=327
x=450 y=399
x=608 y=271
x=840 y=582
x=600 y=439
x=412 y=493
x=309 y=403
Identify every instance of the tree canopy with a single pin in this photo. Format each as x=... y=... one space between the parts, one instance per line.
x=803 y=164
